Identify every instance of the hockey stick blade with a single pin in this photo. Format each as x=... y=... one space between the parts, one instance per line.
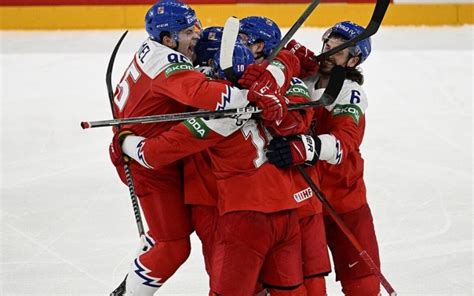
x=338 y=75
x=229 y=37
x=108 y=74
x=379 y=12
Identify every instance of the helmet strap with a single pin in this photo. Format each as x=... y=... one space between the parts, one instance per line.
x=175 y=36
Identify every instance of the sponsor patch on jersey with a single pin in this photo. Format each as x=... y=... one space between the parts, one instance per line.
x=197 y=127
x=278 y=64
x=303 y=195
x=348 y=110
x=177 y=67
x=298 y=90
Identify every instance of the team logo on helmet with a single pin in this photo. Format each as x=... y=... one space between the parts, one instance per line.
x=212 y=36
x=160 y=10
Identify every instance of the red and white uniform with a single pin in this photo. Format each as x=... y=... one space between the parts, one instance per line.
x=315 y=254
x=200 y=192
x=248 y=190
x=237 y=150
x=160 y=80
x=341 y=127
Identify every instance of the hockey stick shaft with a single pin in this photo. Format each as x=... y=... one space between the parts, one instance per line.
x=299 y=22
x=335 y=84
x=187 y=115
x=126 y=167
x=226 y=63
x=353 y=240
x=224 y=113
x=377 y=16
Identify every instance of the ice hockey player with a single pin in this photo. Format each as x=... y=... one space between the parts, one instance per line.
x=262 y=35
x=234 y=198
x=206 y=48
x=161 y=79
x=337 y=138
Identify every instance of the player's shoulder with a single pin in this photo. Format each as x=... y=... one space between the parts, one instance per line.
x=154 y=58
x=206 y=70
x=298 y=88
x=353 y=94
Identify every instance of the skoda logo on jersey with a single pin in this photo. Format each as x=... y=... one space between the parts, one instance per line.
x=298 y=90
x=349 y=110
x=197 y=127
x=173 y=68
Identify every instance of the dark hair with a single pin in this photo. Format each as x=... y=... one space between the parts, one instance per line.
x=162 y=36
x=355 y=74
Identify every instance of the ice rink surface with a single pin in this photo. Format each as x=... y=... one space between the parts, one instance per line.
x=67 y=226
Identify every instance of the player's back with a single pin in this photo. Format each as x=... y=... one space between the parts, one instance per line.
x=199 y=180
x=246 y=181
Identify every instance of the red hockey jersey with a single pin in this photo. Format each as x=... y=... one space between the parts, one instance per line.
x=244 y=180
x=341 y=128
x=160 y=80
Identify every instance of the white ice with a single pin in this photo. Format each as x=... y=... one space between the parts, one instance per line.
x=66 y=221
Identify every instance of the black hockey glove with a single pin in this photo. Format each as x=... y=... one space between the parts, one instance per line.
x=294 y=150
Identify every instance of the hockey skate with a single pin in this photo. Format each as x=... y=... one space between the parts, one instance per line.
x=120 y=290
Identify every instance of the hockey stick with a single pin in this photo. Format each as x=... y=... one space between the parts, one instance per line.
x=377 y=17
x=376 y=20
x=231 y=31
x=328 y=97
x=120 y=290
x=128 y=175
x=229 y=37
x=374 y=24
x=353 y=240
x=293 y=29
